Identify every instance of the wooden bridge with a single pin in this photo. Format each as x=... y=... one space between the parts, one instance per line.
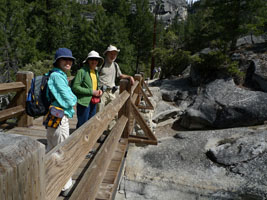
x=28 y=172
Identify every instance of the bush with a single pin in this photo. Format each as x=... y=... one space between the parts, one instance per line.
x=172 y=62
x=39 y=67
x=216 y=64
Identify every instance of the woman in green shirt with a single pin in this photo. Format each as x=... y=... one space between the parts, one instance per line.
x=85 y=86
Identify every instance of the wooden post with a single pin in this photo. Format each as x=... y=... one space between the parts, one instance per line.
x=126 y=109
x=138 y=77
x=21 y=168
x=26 y=78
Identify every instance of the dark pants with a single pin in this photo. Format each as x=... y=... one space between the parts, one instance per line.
x=85 y=113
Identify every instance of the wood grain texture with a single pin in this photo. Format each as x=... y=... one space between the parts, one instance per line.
x=62 y=161
x=21 y=168
x=11 y=112
x=140 y=120
x=11 y=87
x=99 y=165
x=25 y=77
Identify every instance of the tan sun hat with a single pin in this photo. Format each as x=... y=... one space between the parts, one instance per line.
x=94 y=54
x=111 y=48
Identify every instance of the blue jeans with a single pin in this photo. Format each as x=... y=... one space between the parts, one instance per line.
x=85 y=113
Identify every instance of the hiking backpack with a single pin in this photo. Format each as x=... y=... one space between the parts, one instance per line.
x=37 y=103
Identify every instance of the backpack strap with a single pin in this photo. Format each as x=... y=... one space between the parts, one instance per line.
x=116 y=68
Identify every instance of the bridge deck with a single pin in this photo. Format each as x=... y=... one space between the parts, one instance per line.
x=109 y=184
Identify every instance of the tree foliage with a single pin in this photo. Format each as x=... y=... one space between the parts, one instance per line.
x=31 y=31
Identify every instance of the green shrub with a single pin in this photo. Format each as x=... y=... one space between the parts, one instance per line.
x=39 y=67
x=172 y=61
x=216 y=64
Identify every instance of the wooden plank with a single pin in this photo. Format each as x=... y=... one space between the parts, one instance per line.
x=119 y=171
x=72 y=151
x=140 y=120
x=105 y=191
x=96 y=170
x=11 y=87
x=28 y=132
x=134 y=87
x=147 y=101
x=142 y=141
x=126 y=109
x=147 y=89
x=134 y=97
x=11 y=112
x=25 y=77
x=109 y=177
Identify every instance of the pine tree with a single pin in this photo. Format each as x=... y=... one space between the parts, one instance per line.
x=13 y=37
x=141 y=27
x=231 y=17
x=57 y=25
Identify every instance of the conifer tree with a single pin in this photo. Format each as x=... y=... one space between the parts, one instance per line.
x=141 y=35
x=13 y=37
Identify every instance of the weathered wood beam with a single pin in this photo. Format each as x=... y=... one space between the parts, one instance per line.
x=11 y=112
x=21 y=168
x=147 y=101
x=25 y=77
x=140 y=120
x=92 y=178
x=134 y=87
x=147 y=89
x=62 y=161
x=11 y=87
x=134 y=97
x=142 y=141
x=126 y=109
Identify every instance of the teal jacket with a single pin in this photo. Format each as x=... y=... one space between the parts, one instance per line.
x=83 y=87
x=64 y=97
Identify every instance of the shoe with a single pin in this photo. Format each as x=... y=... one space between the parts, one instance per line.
x=67 y=192
x=90 y=154
x=101 y=139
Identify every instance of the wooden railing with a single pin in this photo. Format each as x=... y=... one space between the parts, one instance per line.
x=17 y=106
x=27 y=172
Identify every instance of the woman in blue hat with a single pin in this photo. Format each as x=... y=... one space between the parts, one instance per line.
x=62 y=98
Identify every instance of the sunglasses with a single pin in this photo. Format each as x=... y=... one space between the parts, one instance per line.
x=67 y=59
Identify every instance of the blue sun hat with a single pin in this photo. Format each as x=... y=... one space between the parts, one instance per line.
x=63 y=53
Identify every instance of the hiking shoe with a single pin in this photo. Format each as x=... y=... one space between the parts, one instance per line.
x=67 y=192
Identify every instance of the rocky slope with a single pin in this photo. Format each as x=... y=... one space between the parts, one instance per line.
x=224 y=158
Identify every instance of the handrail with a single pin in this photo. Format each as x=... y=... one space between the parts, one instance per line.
x=57 y=166
x=11 y=87
x=71 y=152
x=17 y=108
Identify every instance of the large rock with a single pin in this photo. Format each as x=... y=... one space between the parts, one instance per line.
x=178 y=168
x=250 y=39
x=164 y=111
x=222 y=104
x=177 y=89
x=169 y=9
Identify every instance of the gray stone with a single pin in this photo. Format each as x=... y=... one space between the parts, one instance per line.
x=222 y=104
x=250 y=39
x=164 y=111
x=178 y=168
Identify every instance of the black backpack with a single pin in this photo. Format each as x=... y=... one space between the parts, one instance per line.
x=37 y=103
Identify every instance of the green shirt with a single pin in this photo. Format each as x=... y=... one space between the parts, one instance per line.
x=83 y=87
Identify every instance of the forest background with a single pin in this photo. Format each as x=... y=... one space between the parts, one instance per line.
x=31 y=31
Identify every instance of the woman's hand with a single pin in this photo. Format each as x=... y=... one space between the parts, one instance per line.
x=97 y=93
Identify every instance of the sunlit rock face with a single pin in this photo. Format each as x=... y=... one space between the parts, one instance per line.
x=168 y=10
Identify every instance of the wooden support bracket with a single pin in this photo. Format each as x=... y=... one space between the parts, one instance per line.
x=150 y=137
